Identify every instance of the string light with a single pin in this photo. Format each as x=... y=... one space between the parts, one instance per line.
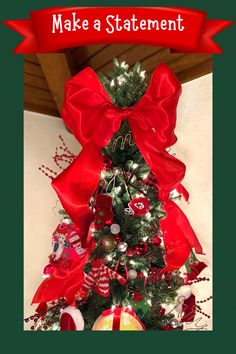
x=124 y=65
x=149 y=302
x=142 y=74
x=116 y=172
x=117 y=189
x=135 y=165
x=112 y=84
x=145 y=175
x=148 y=216
x=145 y=273
x=103 y=174
x=145 y=238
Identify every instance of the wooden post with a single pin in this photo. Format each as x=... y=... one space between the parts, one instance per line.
x=57 y=71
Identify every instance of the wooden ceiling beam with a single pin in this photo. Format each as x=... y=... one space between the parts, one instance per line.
x=56 y=71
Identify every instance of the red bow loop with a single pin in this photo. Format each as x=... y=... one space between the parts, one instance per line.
x=93 y=119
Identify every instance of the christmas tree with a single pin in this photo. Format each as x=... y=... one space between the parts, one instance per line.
x=126 y=273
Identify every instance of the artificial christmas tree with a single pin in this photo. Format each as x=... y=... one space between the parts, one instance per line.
x=117 y=254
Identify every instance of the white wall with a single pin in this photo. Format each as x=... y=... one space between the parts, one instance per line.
x=194 y=148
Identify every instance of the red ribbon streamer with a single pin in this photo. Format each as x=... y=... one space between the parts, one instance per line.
x=195 y=37
x=117 y=317
x=91 y=116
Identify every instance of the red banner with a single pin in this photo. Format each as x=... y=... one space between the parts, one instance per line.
x=54 y=29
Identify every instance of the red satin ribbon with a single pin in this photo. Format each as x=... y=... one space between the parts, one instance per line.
x=93 y=119
x=117 y=317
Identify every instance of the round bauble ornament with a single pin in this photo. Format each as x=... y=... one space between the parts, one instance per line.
x=107 y=243
x=71 y=319
x=122 y=246
x=156 y=241
x=125 y=320
x=141 y=249
x=118 y=238
x=132 y=274
x=130 y=252
x=115 y=229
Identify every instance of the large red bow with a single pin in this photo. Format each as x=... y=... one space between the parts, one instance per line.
x=93 y=119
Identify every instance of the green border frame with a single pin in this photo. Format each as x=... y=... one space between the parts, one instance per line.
x=11 y=69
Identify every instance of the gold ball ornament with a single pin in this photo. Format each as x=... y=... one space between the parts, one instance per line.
x=107 y=243
x=118 y=320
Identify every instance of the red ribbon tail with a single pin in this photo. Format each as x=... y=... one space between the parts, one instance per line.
x=179 y=237
x=183 y=191
x=211 y=28
x=76 y=185
x=25 y=28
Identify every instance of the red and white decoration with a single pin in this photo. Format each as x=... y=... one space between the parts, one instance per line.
x=139 y=206
x=71 y=319
x=98 y=279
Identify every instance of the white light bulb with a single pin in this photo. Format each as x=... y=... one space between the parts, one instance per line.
x=118 y=189
x=142 y=74
x=145 y=238
x=135 y=165
x=103 y=174
x=112 y=84
x=132 y=262
x=148 y=216
x=145 y=273
x=149 y=301
x=145 y=175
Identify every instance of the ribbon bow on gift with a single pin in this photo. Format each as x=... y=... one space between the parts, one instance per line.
x=93 y=119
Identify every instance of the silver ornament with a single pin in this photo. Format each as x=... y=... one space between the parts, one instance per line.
x=115 y=229
x=122 y=246
x=132 y=274
x=174 y=323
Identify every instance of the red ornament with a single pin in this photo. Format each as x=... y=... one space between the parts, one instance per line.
x=156 y=240
x=139 y=206
x=161 y=311
x=130 y=252
x=151 y=180
x=117 y=238
x=137 y=297
x=103 y=212
x=140 y=275
x=141 y=249
x=107 y=163
x=154 y=275
x=168 y=276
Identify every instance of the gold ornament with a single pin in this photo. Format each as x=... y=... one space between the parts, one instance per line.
x=126 y=321
x=107 y=243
